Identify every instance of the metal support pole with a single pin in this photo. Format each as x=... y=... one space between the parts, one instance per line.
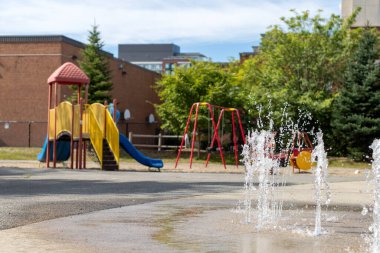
x=216 y=137
x=241 y=126
x=234 y=139
x=80 y=126
x=48 y=127
x=55 y=127
x=184 y=135
x=72 y=135
x=194 y=134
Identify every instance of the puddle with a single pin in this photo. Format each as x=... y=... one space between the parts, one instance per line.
x=200 y=229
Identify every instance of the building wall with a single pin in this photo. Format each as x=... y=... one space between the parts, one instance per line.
x=369 y=14
x=147 y=52
x=134 y=91
x=168 y=65
x=24 y=69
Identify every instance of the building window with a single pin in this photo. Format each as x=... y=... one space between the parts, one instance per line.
x=169 y=67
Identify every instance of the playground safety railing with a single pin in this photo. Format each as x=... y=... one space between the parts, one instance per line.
x=102 y=126
x=96 y=134
x=112 y=135
x=85 y=124
x=98 y=111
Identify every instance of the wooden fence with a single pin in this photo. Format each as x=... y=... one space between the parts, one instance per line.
x=160 y=138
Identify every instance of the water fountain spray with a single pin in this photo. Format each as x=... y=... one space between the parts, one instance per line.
x=320 y=183
x=376 y=208
x=258 y=160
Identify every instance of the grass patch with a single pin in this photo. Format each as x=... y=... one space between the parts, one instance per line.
x=344 y=162
x=7 y=153
x=17 y=153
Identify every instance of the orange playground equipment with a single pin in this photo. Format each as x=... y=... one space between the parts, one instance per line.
x=300 y=158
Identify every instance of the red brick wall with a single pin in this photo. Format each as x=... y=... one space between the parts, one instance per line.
x=134 y=91
x=23 y=89
x=24 y=69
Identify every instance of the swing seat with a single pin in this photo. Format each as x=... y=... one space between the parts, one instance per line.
x=301 y=157
x=303 y=160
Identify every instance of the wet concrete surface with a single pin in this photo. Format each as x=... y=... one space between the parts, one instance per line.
x=58 y=210
x=207 y=224
x=32 y=195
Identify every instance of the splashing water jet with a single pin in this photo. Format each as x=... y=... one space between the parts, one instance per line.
x=376 y=208
x=320 y=183
x=258 y=160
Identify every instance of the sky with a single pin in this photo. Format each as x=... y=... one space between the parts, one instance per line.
x=219 y=29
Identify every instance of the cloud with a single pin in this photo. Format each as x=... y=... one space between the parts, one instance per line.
x=151 y=21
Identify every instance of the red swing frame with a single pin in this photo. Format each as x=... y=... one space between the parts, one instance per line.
x=234 y=137
x=195 y=107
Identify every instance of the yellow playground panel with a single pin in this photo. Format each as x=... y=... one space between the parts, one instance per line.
x=102 y=126
x=65 y=112
x=97 y=124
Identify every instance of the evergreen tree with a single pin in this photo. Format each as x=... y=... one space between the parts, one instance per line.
x=356 y=117
x=96 y=66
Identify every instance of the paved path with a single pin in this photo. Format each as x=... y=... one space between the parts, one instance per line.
x=60 y=210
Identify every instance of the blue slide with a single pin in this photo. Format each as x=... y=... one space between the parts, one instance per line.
x=132 y=151
x=63 y=151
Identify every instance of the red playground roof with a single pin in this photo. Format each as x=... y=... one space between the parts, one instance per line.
x=68 y=73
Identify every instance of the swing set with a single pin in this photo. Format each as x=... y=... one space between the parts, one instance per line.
x=215 y=127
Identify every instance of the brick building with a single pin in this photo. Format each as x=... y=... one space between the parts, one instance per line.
x=25 y=64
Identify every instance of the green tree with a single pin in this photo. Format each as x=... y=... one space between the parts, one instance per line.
x=96 y=66
x=356 y=118
x=202 y=82
x=300 y=64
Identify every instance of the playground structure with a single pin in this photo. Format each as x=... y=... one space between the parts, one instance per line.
x=72 y=127
x=300 y=157
x=215 y=127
